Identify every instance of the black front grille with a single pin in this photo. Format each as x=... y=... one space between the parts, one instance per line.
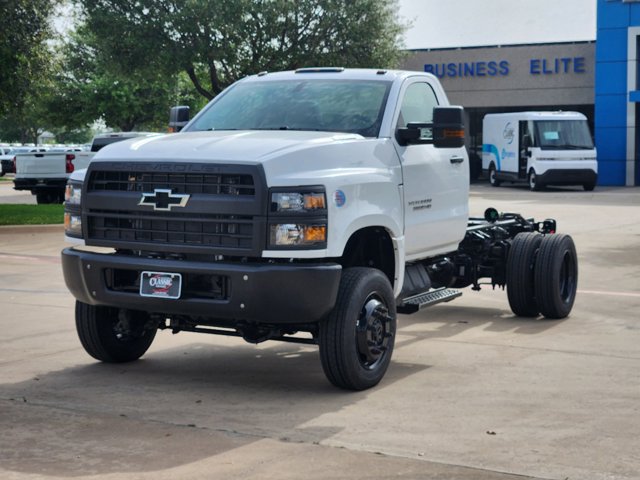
x=227 y=231
x=137 y=181
x=225 y=212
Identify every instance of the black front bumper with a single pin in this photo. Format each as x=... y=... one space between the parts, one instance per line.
x=39 y=183
x=568 y=177
x=262 y=293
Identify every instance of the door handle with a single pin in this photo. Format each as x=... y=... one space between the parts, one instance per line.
x=456 y=159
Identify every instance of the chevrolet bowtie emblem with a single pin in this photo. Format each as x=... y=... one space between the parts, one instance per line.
x=163 y=199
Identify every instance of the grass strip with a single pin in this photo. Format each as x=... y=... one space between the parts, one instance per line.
x=13 y=214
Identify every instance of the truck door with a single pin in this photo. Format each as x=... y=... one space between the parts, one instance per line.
x=436 y=181
x=525 y=140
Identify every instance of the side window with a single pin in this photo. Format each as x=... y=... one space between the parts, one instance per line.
x=417 y=106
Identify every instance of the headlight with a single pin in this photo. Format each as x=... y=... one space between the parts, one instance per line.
x=73 y=193
x=298 y=218
x=72 y=214
x=298 y=201
x=72 y=224
x=291 y=234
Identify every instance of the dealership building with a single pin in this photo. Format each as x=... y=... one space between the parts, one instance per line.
x=600 y=79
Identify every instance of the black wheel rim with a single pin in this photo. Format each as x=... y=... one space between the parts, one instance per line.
x=567 y=278
x=125 y=330
x=373 y=332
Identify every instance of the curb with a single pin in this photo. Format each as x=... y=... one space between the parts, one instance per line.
x=32 y=229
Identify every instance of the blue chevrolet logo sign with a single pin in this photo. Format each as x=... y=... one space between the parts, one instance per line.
x=163 y=199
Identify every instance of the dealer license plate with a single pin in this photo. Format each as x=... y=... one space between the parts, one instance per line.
x=160 y=284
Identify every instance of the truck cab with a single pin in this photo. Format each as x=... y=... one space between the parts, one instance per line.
x=540 y=148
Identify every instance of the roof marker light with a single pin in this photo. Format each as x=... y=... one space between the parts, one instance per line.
x=320 y=70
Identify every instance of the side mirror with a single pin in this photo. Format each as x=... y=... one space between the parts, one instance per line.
x=448 y=127
x=407 y=135
x=178 y=118
x=446 y=130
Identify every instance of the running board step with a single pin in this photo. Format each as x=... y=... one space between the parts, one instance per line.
x=423 y=300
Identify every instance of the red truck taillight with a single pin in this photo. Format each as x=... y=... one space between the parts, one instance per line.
x=69 y=158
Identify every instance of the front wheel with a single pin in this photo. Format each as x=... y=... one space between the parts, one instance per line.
x=534 y=183
x=493 y=176
x=356 y=340
x=113 y=335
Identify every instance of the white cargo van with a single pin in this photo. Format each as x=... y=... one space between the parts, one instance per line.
x=541 y=148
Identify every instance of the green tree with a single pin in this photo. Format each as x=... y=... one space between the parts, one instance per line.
x=25 y=120
x=217 y=42
x=26 y=67
x=75 y=136
x=24 y=54
x=88 y=88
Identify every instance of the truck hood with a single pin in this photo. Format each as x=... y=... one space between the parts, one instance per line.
x=254 y=146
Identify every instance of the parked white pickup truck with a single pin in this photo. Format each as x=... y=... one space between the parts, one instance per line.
x=308 y=206
x=45 y=174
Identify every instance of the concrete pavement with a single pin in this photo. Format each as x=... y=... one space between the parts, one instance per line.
x=472 y=392
x=9 y=195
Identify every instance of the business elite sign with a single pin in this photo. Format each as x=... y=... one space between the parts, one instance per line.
x=502 y=68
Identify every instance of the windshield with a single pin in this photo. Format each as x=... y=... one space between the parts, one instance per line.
x=563 y=135
x=317 y=105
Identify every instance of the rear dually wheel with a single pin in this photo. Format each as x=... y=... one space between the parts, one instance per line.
x=556 y=275
x=520 y=274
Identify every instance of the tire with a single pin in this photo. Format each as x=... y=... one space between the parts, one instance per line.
x=44 y=198
x=57 y=196
x=520 y=274
x=534 y=184
x=113 y=335
x=493 y=180
x=556 y=275
x=356 y=339
x=588 y=187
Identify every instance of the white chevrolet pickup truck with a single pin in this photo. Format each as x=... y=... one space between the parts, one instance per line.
x=307 y=206
x=45 y=174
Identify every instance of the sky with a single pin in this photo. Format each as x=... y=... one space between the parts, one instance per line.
x=473 y=23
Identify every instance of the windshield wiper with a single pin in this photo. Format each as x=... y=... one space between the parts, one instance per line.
x=285 y=127
x=572 y=147
x=302 y=129
x=566 y=147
